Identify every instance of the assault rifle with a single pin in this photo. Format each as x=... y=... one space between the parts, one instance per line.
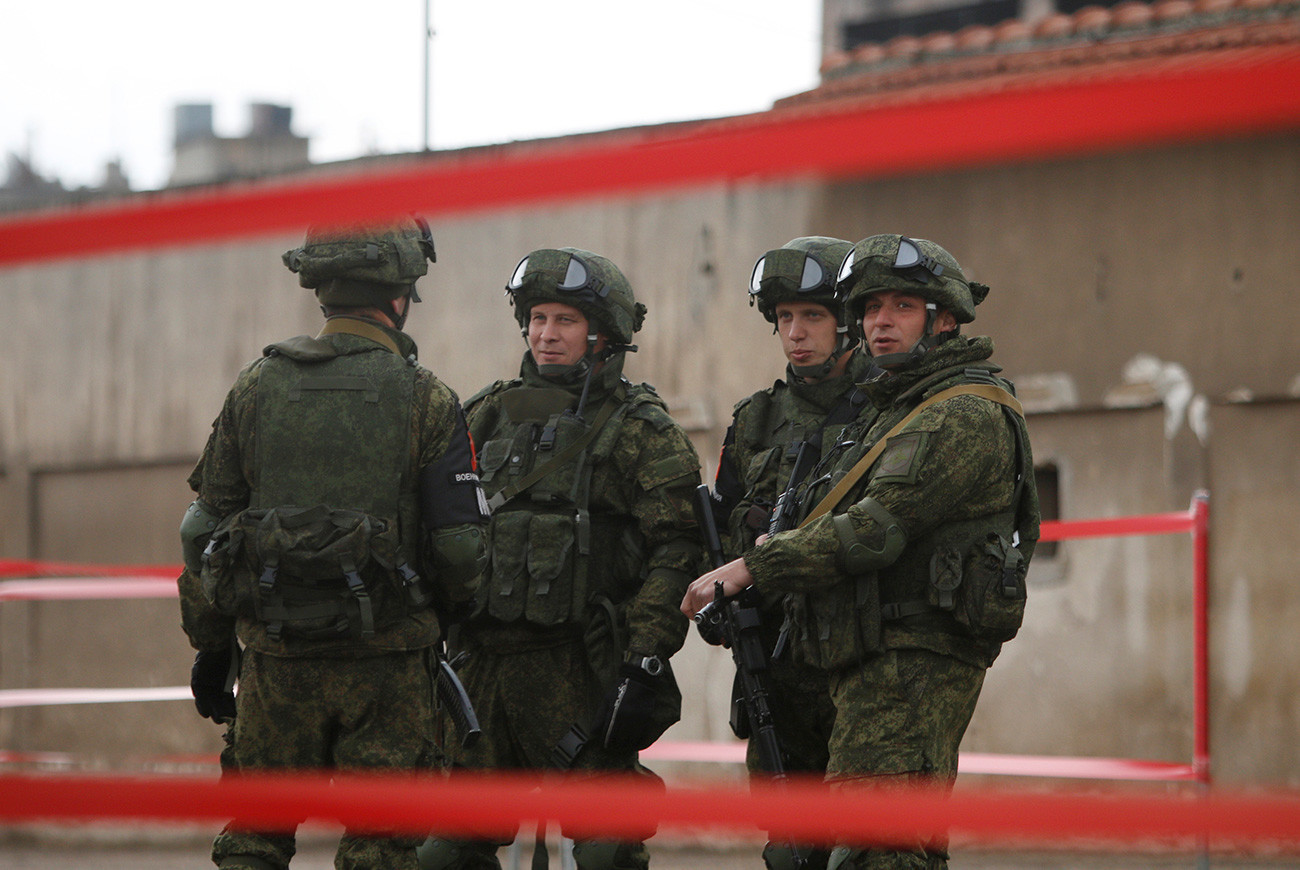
x=734 y=621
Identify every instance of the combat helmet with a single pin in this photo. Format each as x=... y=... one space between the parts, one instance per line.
x=363 y=265
x=916 y=266
x=803 y=270
x=587 y=281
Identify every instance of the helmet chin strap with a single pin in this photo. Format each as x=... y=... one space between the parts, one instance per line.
x=928 y=340
x=821 y=370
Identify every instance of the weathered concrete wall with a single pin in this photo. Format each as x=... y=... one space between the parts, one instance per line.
x=1185 y=253
x=1254 y=606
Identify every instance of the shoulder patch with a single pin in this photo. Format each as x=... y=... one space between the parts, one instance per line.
x=902 y=458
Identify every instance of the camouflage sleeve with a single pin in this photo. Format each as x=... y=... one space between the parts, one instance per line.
x=665 y=469
x=954 y=461
x=220 y=479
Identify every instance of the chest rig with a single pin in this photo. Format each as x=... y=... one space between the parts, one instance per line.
x=550 y=551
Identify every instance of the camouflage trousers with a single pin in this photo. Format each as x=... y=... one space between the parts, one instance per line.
x=526 y=700
x=372 y=713
x=899 y=718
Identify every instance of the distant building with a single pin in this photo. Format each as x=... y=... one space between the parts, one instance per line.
x=269 y=148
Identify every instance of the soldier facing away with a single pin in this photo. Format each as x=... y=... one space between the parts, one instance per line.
x=593 y=542
x=338 y=522
x=776 y=438
x=908 y=571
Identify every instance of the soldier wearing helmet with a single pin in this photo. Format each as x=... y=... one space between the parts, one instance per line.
x=907 y=572
x=338 y=525
x=776 y=437
x=592 y=545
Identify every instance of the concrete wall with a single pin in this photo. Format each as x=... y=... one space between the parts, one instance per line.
x=113 y=369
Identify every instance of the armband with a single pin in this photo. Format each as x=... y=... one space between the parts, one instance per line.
x=857 y=556
x=197 y=527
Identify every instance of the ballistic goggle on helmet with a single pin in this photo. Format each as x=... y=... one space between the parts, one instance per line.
x=917 y=266
x=587 y=281
x=801 y=270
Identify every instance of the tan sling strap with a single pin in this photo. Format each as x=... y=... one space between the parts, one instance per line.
x=352 y=326
x=836 y=495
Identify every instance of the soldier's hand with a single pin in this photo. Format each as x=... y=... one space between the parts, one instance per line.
x=212 y=681
x=734 y=576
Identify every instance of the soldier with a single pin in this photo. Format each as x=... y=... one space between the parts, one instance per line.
x=593 y=542
x=338 y=521
x=776 y=438
x=909 y=573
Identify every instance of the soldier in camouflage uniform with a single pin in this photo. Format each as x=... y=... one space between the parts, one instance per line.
x=795 y=423
x=908 y=577
x=338 y=522
x=593 y=542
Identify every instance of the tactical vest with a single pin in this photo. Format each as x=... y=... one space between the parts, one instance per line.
x=550 y=552
x=328 y=545
x=795 y=440
x=960 y=588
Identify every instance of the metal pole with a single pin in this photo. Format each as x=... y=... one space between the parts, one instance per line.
x=428 y=42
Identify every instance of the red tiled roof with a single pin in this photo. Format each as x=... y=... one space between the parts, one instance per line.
x=1093 y=41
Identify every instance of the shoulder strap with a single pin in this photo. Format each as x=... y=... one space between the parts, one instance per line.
x=836 y=495
x=606 y=411
x=352 y=326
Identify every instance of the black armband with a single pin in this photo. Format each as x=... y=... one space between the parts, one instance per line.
x=450 y=494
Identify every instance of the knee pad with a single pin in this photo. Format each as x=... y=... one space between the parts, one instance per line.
x=437 y=854
x=604 y=855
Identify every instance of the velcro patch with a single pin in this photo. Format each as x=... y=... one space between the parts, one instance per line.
x=901 y=460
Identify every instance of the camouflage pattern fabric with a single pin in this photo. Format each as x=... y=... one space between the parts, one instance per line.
x=349 y=703
x=309 y=713
x=223 y=479
x=530 y=683
x=765 y=426
x=901 y=717
x=901 y=712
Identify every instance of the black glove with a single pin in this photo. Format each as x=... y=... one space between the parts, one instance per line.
x=212 y=681
x=627 y=725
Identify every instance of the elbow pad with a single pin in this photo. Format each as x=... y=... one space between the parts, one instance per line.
x=860 y=553
x=197 y=526
x=459 y=555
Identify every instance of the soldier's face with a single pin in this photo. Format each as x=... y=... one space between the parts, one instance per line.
x=557 y=334
x=893 y=322
x=807 y=331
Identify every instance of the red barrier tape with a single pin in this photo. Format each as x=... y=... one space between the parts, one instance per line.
x=614 y=807
x=1245 y=91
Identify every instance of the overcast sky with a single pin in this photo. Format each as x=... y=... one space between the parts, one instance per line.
x=89 y=81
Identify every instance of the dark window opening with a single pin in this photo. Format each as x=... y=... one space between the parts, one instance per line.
x=1069 y=7
x=1048 y=480
x=948 y=20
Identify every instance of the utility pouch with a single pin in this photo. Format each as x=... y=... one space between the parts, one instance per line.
x=310 y=573
x=985 y=591
x=843 y=625
x=533 y=572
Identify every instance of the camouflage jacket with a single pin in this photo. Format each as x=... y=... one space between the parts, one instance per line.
x=765 y=432
x=225 y=478
x=956 y=462
x=644 y=546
